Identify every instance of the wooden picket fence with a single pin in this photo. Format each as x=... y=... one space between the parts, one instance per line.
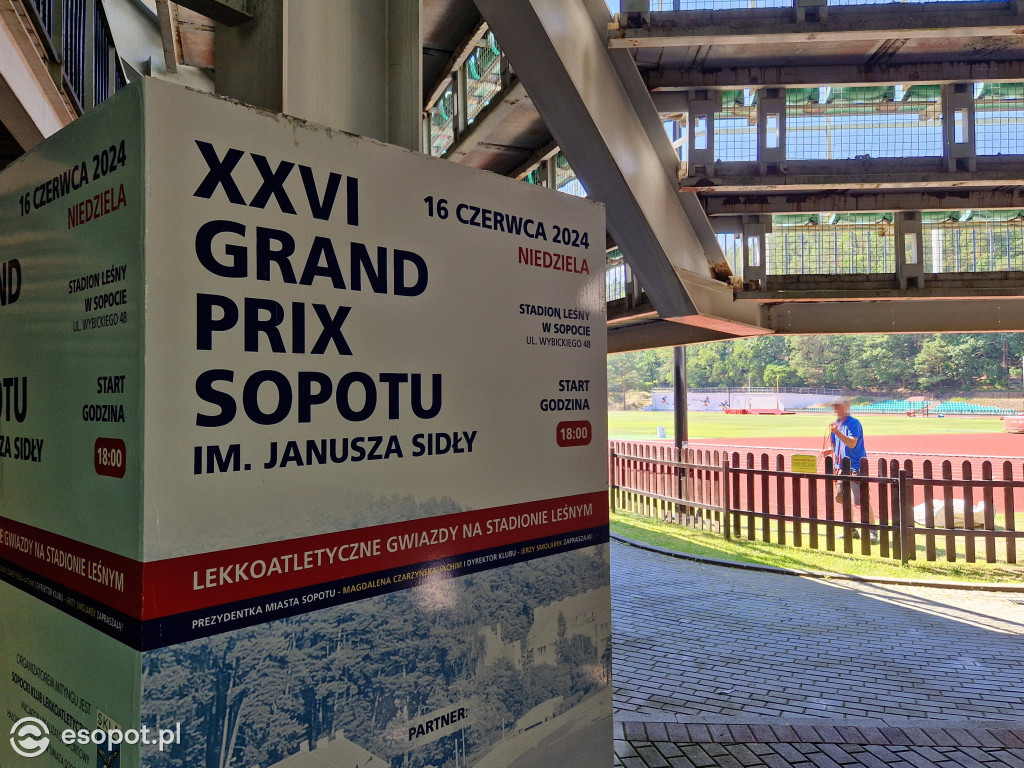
x=969 y=514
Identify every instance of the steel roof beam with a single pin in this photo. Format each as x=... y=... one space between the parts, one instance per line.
x=868 y=173
x=927 y=73
x=999 y=315
x=536 y=157
x=812 y=202
x=899 y=316
x=768 y=26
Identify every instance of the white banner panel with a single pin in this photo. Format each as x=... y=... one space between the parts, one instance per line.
x=305 y=444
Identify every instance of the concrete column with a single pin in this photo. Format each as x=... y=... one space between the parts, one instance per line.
x=461 y=102
x=958 y=135
x=505 y=70
x=771 y=129
x=810 y=10
x=701 y=126
x=347 y=64
x=551 y=174
x=635 y=13
x=404 y=50
x=427 y=136
x=909 y=249
x=633 y=290
x=755 y=253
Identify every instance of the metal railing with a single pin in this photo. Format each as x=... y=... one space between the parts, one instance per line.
x=78 y=49
x=862 y=243
x=744 y=390
x=969 y=515
x=474 y=86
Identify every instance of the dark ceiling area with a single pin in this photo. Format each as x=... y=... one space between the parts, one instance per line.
x=9 y=148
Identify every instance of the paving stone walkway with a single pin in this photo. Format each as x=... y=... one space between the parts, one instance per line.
x=757 y=744
x=780 y=670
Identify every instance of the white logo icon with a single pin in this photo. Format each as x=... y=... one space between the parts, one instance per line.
x=30 y=737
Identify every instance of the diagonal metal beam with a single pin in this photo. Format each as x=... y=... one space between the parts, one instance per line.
x=643 y=105
x=563 y=61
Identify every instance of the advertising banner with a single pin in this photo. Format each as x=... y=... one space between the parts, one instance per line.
x=302 y=451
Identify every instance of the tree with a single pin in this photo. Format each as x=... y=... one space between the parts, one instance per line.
x=622 y=374
x=886 y=361
x=655 y=368
x=781 y=374
x=933 y=363
x=822 y=360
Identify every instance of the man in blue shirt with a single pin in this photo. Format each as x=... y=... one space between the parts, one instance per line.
x=847 y=440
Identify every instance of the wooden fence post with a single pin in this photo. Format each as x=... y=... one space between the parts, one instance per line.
x=847 y=490
x=830 y=506
x=1009 y=515
x=906 y=517
x=750 y=497
x=884 y=536
x=612 y=486
x=679 y=474
x=929 y=512
x=780 y=496
x=894 y=505
x=726 y=520
x=911 y=525
x=969 y=538
x=766 y=523
x=988 y=497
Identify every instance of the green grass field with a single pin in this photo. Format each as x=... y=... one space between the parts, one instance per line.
x=643 y=425
x=706 y=544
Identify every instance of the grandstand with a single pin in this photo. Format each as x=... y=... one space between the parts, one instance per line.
x=959 y=408
x=894 y=406
x=932 y=408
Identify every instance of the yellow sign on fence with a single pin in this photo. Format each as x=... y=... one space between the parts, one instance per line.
x=804 y=463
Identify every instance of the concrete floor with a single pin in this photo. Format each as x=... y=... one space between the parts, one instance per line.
x=758 y=669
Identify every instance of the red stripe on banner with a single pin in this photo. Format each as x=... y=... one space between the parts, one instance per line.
x=190 y=583
x=111 y=579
